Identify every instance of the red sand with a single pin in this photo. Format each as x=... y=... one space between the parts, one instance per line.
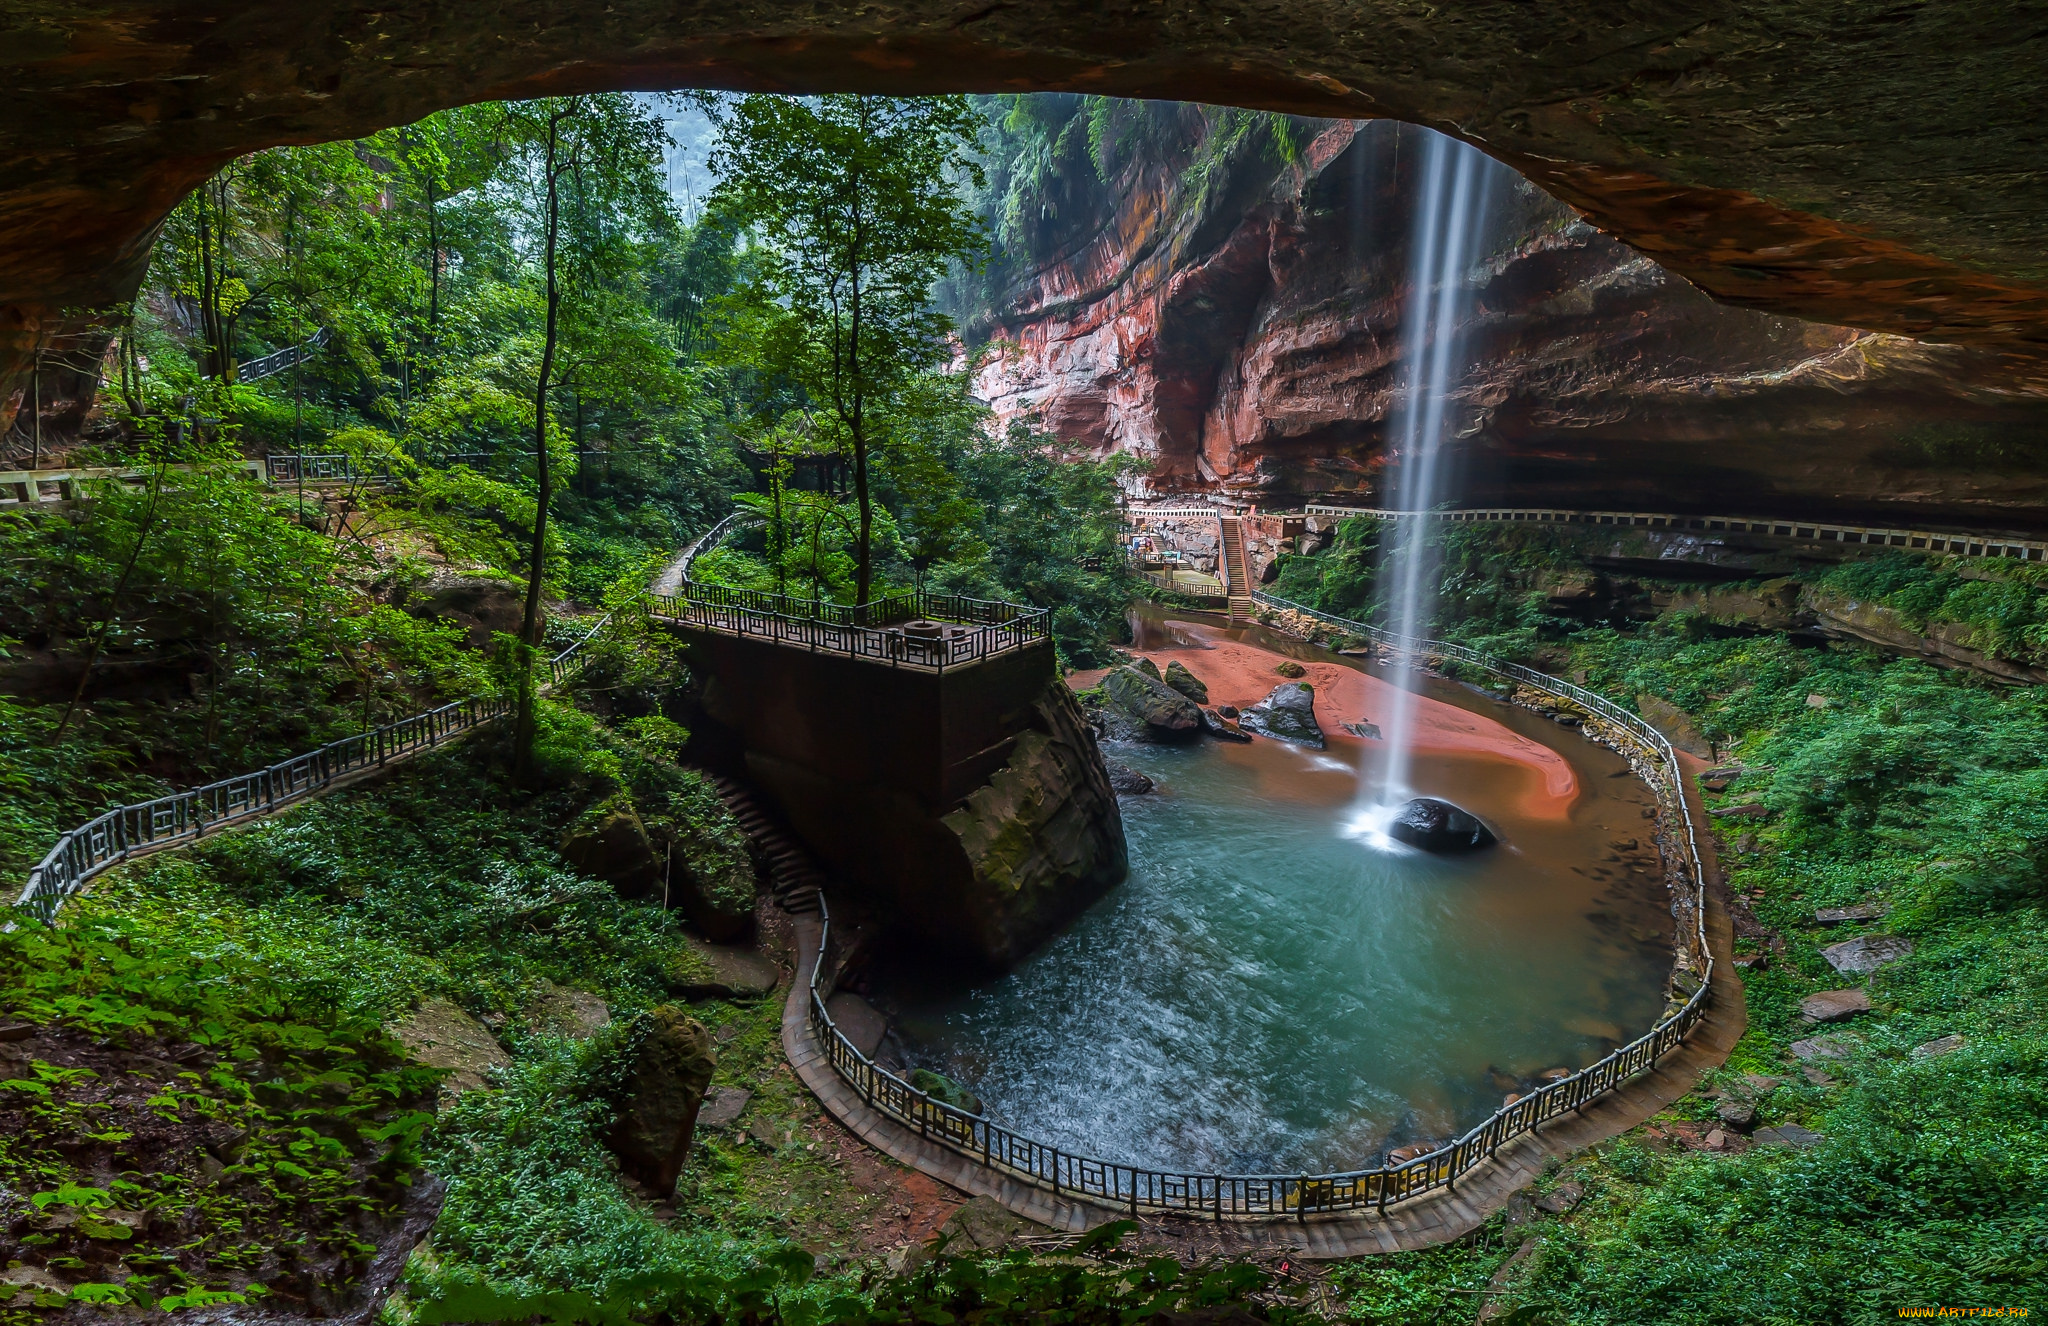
x=1241 y=674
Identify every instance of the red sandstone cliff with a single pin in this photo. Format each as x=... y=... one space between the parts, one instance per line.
x=1235 y=317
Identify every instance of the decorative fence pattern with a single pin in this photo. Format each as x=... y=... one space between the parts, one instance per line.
x=127 y=831
x=919 y=629
x=1282 y=1196
x=1956 y=545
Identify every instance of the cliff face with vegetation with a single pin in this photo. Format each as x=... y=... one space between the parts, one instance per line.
x=1222 y=294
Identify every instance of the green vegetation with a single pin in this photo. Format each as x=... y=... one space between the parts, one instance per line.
x=1886 y=781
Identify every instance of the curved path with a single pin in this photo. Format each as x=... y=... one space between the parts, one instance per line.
x=1422 y=1222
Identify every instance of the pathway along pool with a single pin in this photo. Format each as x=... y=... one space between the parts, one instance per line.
x=1267 y=995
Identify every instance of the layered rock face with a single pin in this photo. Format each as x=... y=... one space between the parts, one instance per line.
x=1236 y=318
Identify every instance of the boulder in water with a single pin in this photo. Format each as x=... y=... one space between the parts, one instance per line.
x=1160 y=712
x=1187 y=683
x=1126 y=781
x=1439 y=826
x=1288 y=713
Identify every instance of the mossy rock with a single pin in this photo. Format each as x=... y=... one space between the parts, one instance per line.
x=610 y=843
x=1148 y=667
x=945 y=1090
x=1290 y=669
x=1187 y=683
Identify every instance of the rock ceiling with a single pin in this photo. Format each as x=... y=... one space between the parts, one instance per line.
x=1869 y=163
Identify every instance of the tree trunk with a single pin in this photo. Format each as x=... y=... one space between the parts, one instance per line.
x=530 y=625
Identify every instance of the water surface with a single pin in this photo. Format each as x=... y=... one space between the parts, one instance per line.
x=1266 y=994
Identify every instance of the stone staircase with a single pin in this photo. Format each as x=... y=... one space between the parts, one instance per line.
x=1237 y=572
x=794 y=877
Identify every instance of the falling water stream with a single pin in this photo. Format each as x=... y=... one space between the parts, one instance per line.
x=1278 y=986
x=1449 y=222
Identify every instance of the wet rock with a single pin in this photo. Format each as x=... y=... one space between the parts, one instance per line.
x=1288 y=713
x=577 y=1014
x=663 y=1094
x=1833 y=1005
x=718 y=971
x=1367 y=731
x=1187 y=683
x=1226 y=727
x=945 y=1090
x=610 y=843
x=1043 y=839
x=1563 y=1198
x=1737 y=1114
x=1229 y=711
x=1941 y=1046
x=440 y=1035
x=858 y=1020
x=1401 y=1155
x=1148 y=667
x=1439 y=826
x=1866 y=953
x=1126 y=781
x=721 y=1109
x=1159 y=712
x=1788 y=1134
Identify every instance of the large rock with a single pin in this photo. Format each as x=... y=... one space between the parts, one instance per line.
x=440 y=1035
x=577 y=1014
x=1439 y=826
x=1158 y=712
x=703 y=970
x=658 y=1115
x=1288 y=712
x=1187 y=683
x=610 y=843
x=1866 y=953
x=1833 y=1005
x=483 y=606
x=718 y=895
x=1043 y=836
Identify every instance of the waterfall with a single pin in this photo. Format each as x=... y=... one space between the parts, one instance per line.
x=1455 y=188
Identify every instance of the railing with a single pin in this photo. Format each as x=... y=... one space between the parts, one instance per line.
x=185 y=816
x=1958 y=545
x=962 y=630
x=1282 y=1196
x=324 y=468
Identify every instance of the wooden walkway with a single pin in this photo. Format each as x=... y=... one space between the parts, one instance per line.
x=1436 y=1218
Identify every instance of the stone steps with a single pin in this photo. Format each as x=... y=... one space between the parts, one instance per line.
x=794 y=878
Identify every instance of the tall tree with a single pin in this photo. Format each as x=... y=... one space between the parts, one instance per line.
x=855 y=201
x=585 y=163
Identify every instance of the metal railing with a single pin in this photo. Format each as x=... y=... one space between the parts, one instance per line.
x=1945 y=541
x=919 y=629
x=324 y=467
x=148 y=826
x=1297 y=1196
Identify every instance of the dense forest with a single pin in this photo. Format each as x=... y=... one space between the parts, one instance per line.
x=543 y=376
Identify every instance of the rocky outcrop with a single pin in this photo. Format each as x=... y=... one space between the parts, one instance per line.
x=1950 y=644
x=1234 y=317
x=658 y=1114
x=1043 y=837
x=611 y=844
x=483 y=606
x=1152 y=710
x=1288 y=713
x=1438 y=826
